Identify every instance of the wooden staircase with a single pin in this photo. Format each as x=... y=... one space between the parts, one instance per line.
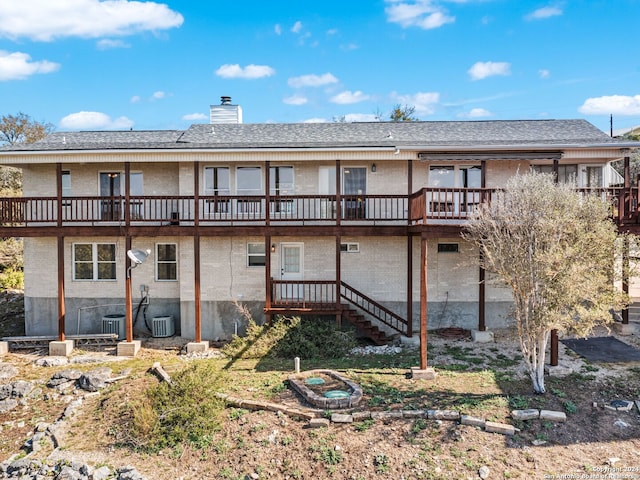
x=372 y=332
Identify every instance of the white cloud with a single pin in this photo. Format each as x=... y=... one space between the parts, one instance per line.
x=476 y=113
x=18 y=66
x=107 y=44
x=544 y=12
x=159 y=95
x=316 y=120
x=424 y=102
x=481 y=70
x=248 y=72
x=135 y=99
x=295 y=100
x=312 y=80
x=348 y=97
x=613 y=104
x=419 y=13
x=544 y=73
x=297 y=27
x=195 y=116
x=46 y=20
x=332 y=31
x=94 y=121
x=277 y=29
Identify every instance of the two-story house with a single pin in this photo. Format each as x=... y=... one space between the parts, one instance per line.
x=348 y=220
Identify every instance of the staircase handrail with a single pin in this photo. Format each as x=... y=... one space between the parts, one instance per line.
x=375 y=309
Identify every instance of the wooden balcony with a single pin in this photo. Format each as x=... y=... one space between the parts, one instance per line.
x=428 y=206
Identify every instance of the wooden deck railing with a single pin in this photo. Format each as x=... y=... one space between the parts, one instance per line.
x=428 y=205
x=317 y=296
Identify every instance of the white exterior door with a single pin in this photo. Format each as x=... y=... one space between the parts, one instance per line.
x=291 y=268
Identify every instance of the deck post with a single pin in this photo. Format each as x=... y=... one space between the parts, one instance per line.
x=423 y=302
x=61 y=304
x=409 y=252
x=422 y=372
x=338 y=282
x=127 y=294
x=625 y=277
x=198 y=345
x=267 y=279
x=553 y=361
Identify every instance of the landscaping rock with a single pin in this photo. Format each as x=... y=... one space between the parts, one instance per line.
x=472 y=421
x=553 y=416
x=318 y=423
x=502 y=428
x=483 y=472
x=7 y=371
x=64 y=376
x=444 y=414
x=21 y=388
x=529 y=414
x=8 y=405
x=5 y=391
x=94 y=380
x=52 y=361
x=341 y=418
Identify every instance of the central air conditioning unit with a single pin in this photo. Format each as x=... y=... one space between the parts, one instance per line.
x=162 y=326
x=114 y=324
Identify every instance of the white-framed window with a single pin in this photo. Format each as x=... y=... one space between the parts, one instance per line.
x=166 y=262
x=449 y=176
x=281 y=180
x=248 y=180
x=94 y=261
x=256 y=255
x=350 y=247
x=216 y=181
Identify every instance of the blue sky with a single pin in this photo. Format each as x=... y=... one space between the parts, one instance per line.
x=119 y=64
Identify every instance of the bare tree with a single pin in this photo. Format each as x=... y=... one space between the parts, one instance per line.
x=21 y=128
x=14 y=129
x=555 y=249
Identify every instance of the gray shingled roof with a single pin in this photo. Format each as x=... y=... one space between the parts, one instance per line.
x=450 y=135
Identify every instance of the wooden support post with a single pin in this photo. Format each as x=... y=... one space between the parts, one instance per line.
x=482 y=326
x=338 y=282
x=267 y=279
x=127 y=294
x=554 y=348
x=409 y=253
x=625 y=277
x=553 y=361
x=197 y=298
x=61 y=304
x=423 y=302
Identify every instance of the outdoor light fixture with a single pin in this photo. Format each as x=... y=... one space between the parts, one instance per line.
x=273 y=248
x=373 y=167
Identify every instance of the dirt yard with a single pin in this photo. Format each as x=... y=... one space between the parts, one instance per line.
x=482 y=380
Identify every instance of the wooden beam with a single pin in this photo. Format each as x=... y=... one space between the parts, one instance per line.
x=197 y=298
x=267 y=278
x=338 y=255
x=127 y=294
x=409 y=254
x=423 y=303
x=61 y=304
x=625 y=277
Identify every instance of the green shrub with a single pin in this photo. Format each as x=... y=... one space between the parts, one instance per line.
x=291 y=337
x=187 y=410
x=12 y=278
